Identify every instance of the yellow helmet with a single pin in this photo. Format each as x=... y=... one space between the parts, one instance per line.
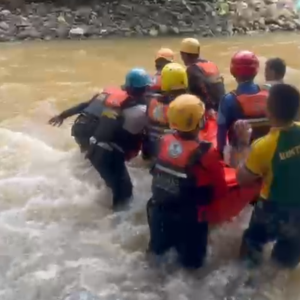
x=165 y=53
x=185 y=113
x=173 y=77
x=190 y=46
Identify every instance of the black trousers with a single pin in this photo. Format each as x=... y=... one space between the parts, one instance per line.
x=112 y=168
x=82 y=129
x=270 y=223
x=181 y=231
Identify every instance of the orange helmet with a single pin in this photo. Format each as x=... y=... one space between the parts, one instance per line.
x=165 y=53
x=244 y=64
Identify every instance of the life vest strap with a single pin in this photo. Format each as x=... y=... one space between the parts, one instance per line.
x=171 y=171
x=258 y=122
x=194 y=159
x=110 y=146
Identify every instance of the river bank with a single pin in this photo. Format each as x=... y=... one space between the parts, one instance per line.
x=146 y=18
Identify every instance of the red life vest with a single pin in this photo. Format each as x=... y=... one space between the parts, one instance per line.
x=114 y=97
x=253 y=106
x=173 y=177
x=254 y=109
x=210 y=70
x=212 y=76
x=109 y=97
x=157 y=115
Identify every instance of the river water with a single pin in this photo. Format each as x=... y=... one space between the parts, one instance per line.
x=57 y=234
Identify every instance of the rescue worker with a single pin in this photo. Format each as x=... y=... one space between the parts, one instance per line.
x=89 y=113
x=275 y=159
x=247 y=101
x=275 y=70
x=84 y=124
x=187 y=176
x=173 y=83
x=163 y=57
x=204 y=77
x=119 y=133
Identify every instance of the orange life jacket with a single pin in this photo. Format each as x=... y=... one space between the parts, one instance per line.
x=173 y=180
x=109 y=97
x=212 y=75
x=208 y=130
x=210 y=70
x=156 y=86
x=254 y=111
x=115 y=98
x=253 y=106
x=157 y=115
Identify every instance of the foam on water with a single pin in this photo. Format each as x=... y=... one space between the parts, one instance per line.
x=58 y=235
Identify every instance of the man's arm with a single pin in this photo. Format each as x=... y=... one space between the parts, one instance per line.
x=223 y=121
x=74 y=110
x=195 y=79
x=77 y=109
x=255 y=165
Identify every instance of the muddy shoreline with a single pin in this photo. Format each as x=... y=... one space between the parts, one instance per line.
x=42 y=21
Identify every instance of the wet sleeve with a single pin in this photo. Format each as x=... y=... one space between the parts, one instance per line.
x=110 y=121
x=221 y=138
x=224 y=110
x=259 y=157
x=215 y=168
x=218 y=92
x=223 y=118
x=195 y=79
x=77 y=109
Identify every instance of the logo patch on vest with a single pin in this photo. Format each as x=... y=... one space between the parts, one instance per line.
x=158 y=113
x=175 y=149
x=110 y=114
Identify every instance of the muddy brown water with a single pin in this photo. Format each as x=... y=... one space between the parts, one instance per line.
x=57 y=234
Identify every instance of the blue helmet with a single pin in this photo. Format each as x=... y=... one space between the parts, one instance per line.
x=137 y=78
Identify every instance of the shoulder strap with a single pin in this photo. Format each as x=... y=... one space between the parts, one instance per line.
x=95 y=97
x=127 y=103
x=195 y=158
x=233 y=92
x=100 y=97
x=259 y=87
x=156 y=96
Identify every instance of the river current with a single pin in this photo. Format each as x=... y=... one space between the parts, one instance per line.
x=58 y=237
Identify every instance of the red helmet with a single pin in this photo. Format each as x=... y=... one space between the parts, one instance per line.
x=244 y=64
